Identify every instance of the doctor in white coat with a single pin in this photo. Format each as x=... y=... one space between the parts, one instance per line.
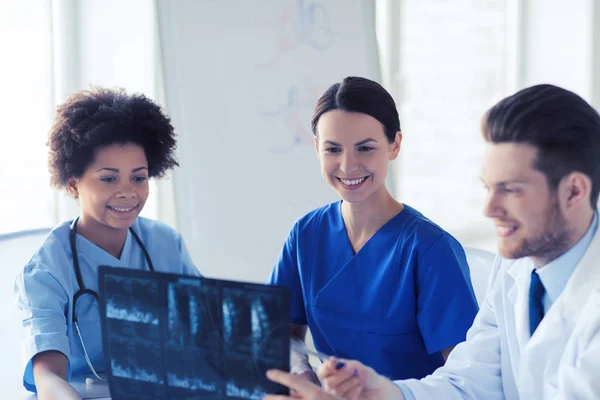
x=537 y=334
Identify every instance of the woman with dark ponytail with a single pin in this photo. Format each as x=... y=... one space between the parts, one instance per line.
x=372 y=278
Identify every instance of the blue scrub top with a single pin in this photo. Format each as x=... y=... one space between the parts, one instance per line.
x=44 y=290
x=394 y=305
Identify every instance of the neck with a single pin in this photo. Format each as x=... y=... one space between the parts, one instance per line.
x=370 y=215
x=108 y=239
x=578 y=226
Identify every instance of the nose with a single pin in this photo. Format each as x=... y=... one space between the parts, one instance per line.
x=127 y=191
x=348 y=163
x=493 y=207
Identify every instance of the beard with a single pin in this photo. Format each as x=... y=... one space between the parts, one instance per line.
x=553 y=240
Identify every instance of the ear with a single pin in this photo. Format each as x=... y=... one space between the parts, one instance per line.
x=316 y=142
x=395 y=146
x=72 y=188
x=574 y=190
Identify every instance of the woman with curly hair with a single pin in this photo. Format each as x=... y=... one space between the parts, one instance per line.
x=104 y=146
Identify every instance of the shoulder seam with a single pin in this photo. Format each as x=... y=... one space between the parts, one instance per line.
x=441 y=234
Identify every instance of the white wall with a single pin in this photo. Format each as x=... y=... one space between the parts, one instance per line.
x=455 y=60
x=113 y=44
x=452 y=67
x=557 y=44
x=241 y=89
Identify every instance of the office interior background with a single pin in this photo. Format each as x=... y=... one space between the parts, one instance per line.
x=445 y=62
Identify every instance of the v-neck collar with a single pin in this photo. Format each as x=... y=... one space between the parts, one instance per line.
x=91 y=251
x=383 y=228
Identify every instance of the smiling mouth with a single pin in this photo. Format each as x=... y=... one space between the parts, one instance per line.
x=353 y=182
x=506 y=231
x=123 y=209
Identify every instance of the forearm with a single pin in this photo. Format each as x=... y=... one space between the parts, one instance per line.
x=298 y=362
x=390 y=390
x=50 y=374
x=51 y=386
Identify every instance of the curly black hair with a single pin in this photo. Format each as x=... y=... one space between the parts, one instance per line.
x=99 y=117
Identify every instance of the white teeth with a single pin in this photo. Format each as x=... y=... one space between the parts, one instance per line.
x=122 y=209
x=505 y=229
x=353 y=181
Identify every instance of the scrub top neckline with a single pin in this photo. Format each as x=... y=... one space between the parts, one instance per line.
x=125 y=251
x=381 y=229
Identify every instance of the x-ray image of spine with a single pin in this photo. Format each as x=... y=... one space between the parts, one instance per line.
x=250 y=325
x=251 y=345
x=194 y=338
x=194 y=371
x=193 y=316
x=193 y=384
x=266 y=328
x=182 y=322
x=134 y=373
x=229 y=315
x=131 y=314
x=260 y=325
x=139 y=361
x=133 y=300
x=237 y=324
x=233 y=390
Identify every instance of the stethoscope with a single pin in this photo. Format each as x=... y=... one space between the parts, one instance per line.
x=82 y=290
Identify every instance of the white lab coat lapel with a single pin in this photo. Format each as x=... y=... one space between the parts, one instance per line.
x=518 y=295
x=542 y=354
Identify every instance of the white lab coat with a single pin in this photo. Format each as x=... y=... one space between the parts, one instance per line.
x=500 y=360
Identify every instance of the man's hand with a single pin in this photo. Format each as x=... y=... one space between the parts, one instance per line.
x=301 y=388
x=310 y=376
x=339 y=377
x=342 y=379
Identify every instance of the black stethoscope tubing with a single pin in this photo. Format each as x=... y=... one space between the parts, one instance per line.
x=82 y=290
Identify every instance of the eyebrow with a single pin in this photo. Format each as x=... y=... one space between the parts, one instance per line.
x=507 y=182
x=355 y=144
x=117 y=170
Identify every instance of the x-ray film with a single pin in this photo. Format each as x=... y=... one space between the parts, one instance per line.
x=167 y=336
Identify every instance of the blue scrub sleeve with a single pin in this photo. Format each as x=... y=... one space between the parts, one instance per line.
x=287 y=273
x=446 y=302
x=43 y=302
x=187 y=265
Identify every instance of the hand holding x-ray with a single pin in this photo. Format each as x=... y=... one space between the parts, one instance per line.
x=353 y=380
